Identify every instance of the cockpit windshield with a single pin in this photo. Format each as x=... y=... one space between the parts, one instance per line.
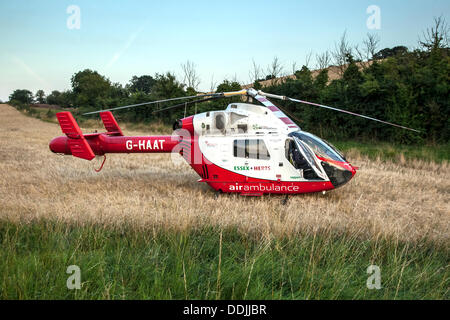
x=320 y=147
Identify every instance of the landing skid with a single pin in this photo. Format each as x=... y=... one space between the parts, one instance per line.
x=217 y=194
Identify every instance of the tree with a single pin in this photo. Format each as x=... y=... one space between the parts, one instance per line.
x=371 y=45
x=274 y=69
x=227 y=85
x=436 y=37
x=390 y=52
x=62 y=99
x=66 y=99
x=308 y=59
x=342 y=51
x=305 y=82
x=21 y=96
x=213 y=84
x=167 y=86
x=320 y=82
x=257 y=85
x=90 y=88
x=191 y=78
x=367 y=53
x=255 y=72
x=40 y=96
x=294 y=67
x=54 y=97
x=143 y=83
x=352 y=75
x=323 y=60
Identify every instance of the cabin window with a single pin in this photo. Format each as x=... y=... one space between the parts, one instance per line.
x=239 y=149
x=220 y=121
x=263 y=153
x=251 y=149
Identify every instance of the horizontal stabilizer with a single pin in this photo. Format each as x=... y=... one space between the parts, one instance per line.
x=110 y=123
x=80 y=148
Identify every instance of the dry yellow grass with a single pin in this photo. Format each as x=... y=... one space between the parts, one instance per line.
x=405 y=200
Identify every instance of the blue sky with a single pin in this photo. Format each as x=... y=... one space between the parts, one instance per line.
x=120 y=39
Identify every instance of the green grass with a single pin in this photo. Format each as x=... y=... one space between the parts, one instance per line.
x=126 y=263
x=392 y=152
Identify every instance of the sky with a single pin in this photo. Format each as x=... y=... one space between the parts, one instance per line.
x=43 y=43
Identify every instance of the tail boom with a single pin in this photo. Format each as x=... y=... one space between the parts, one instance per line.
x=101 y=144
x=87 y=146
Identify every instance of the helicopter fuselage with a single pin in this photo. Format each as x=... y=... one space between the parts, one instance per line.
x=252 y=150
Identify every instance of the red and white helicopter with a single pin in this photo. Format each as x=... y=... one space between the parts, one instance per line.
x=247 y=148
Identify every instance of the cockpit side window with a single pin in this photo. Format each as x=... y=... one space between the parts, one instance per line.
x=294 y=156
x=301 y=158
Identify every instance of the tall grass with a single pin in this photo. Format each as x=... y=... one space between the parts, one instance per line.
x=396 y=152
x=211 y=263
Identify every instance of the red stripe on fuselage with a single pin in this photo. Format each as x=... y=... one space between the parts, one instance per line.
x=273 y=108
x=286 y=120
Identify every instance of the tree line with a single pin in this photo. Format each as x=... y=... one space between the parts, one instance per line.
x=408 y=87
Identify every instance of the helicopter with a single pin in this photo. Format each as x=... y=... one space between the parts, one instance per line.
x=247 y=149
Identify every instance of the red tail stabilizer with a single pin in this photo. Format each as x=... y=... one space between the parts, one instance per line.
x=68 y=124
x=110 y=124
x=77 y=143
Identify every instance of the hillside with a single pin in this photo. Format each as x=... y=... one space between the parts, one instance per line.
x=334 y=73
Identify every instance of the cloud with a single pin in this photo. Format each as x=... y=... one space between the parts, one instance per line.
x=30 y=71
x=127 y=45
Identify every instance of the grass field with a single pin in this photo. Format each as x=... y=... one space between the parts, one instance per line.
x=144 y=228
x=396 y=153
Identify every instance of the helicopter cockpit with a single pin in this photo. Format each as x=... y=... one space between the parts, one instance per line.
x=319 y=146
x=319 y=158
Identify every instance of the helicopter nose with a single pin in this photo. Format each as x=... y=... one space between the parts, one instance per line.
x=347 y=175
x=339 y=174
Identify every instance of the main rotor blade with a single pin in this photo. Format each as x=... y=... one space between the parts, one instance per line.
x=152 y=102
x=353 y=114
x=217 y=94
x=186 y=104
x=335 y=109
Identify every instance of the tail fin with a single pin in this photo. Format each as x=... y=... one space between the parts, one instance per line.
x=110 y=124
x=77 y=142
x=68 y=124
